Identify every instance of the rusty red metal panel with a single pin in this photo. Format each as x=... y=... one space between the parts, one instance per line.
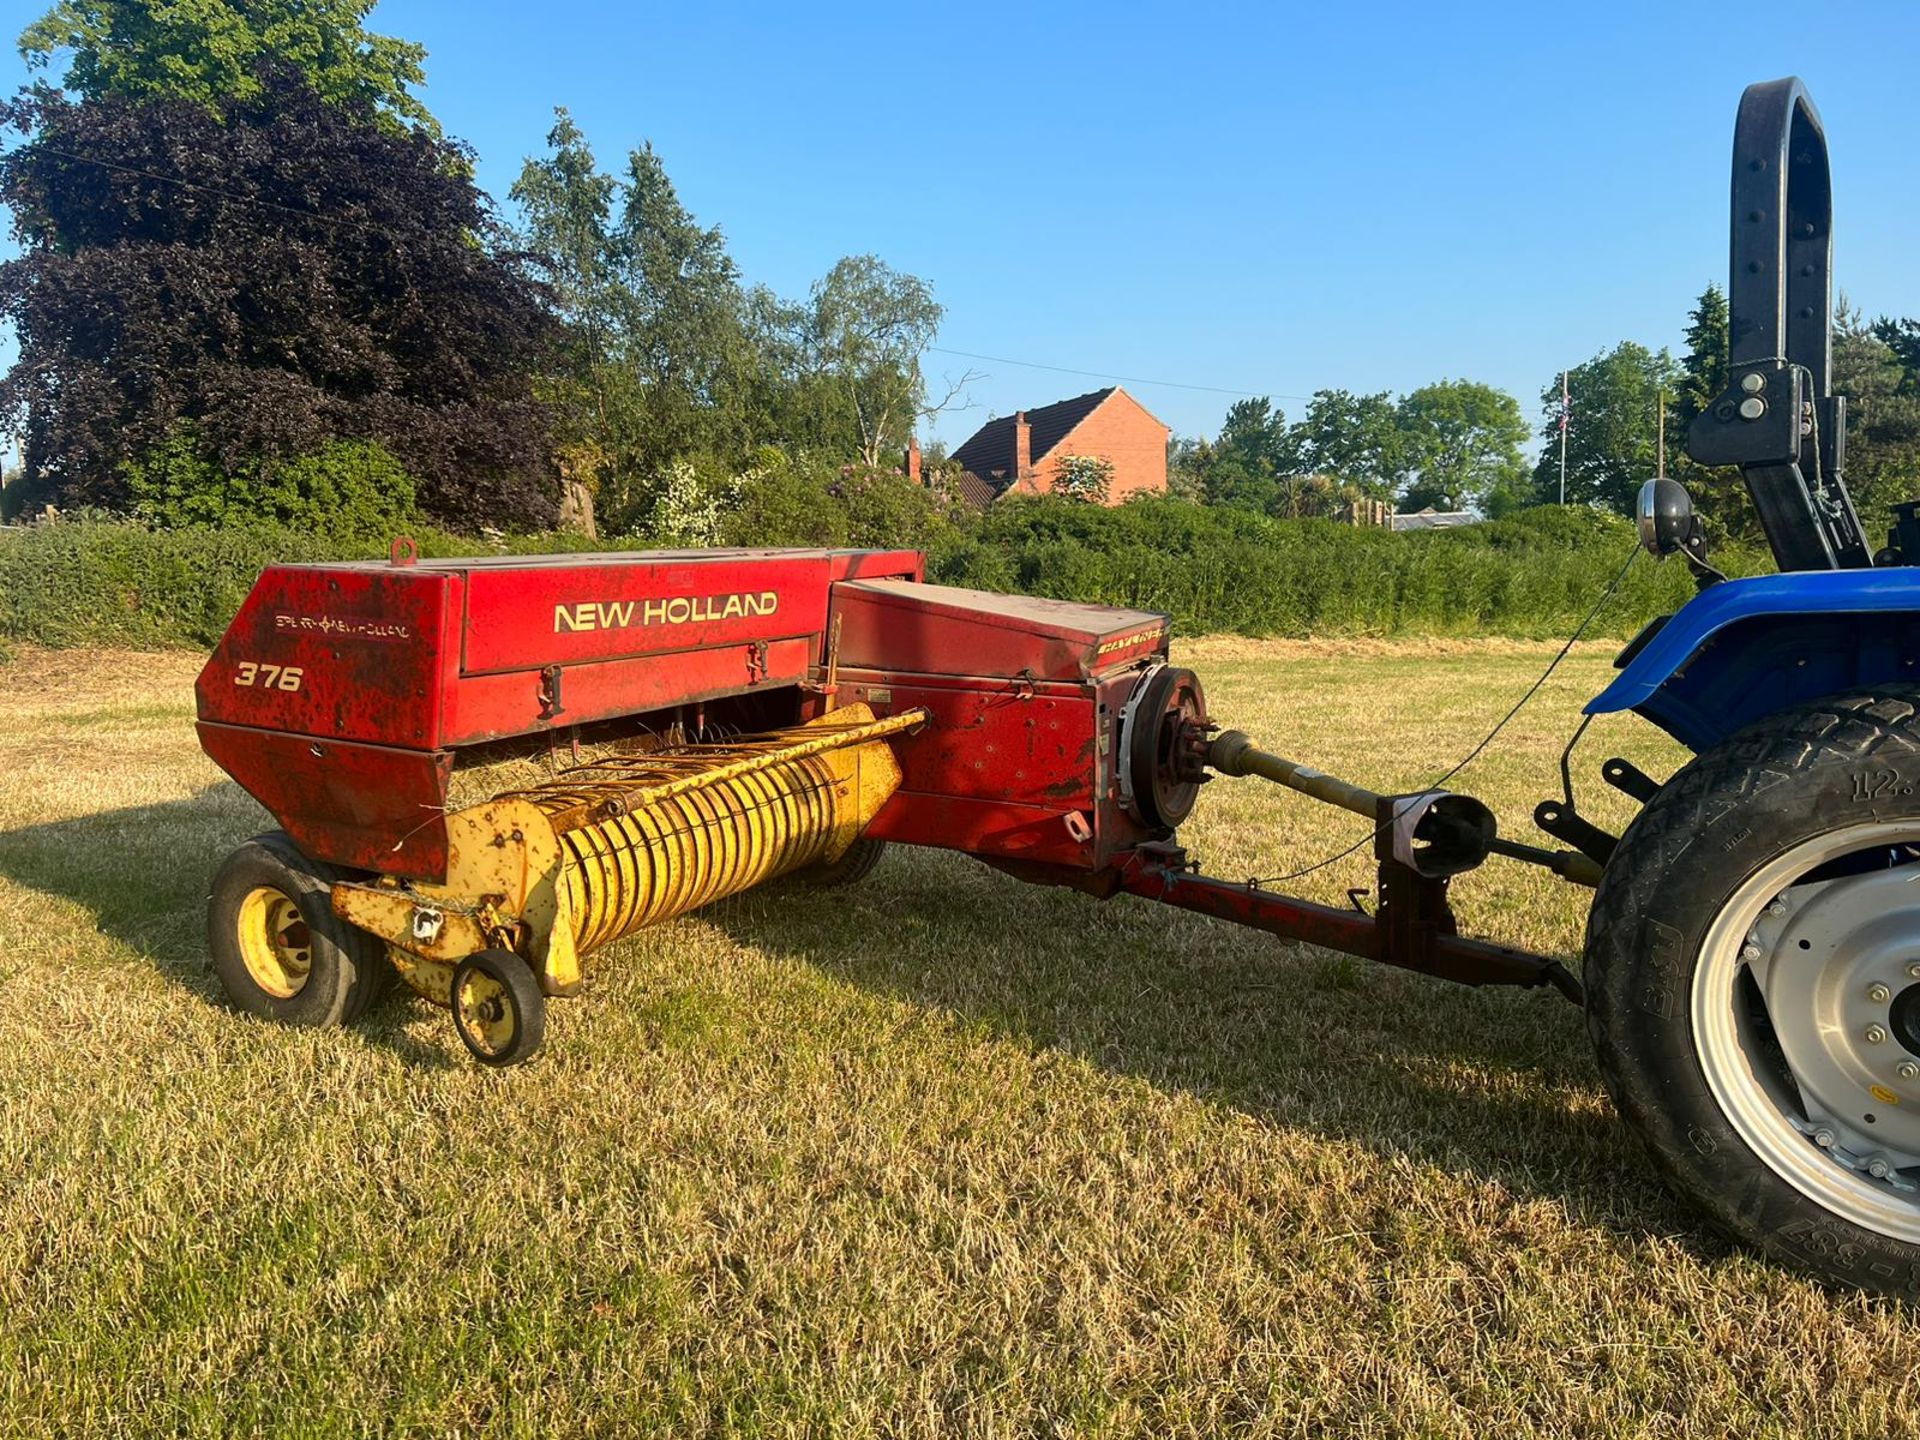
x=368 y=807
x=1006 y=767
x=521 y=618
x=344 y=651
x=987 y=828
x=991 y=738
x=877 y=564
x=491 y=707
x=940 y=630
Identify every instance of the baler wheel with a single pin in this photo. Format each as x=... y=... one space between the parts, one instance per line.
x=854 y=865
x=498 y=1008
x=278 y=949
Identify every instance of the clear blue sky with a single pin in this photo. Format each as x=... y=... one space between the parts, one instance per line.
x=1269 y=198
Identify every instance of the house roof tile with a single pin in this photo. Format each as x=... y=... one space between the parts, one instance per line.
x=990 y=448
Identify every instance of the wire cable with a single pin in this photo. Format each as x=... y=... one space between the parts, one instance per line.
x=1474 y=754
x=1123 y=379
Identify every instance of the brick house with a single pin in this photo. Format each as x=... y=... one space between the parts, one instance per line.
x=1021 y=453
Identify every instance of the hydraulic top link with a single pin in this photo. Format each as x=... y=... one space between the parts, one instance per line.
x=1778 y=419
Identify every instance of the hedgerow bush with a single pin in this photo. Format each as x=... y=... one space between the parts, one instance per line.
x=1217 y=569
x=107 y=582
x=346 y=490
x=102 y=582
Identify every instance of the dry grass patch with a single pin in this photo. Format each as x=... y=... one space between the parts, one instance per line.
x=941 y=1154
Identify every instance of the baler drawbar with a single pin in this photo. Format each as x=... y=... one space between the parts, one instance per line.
x=768 y=712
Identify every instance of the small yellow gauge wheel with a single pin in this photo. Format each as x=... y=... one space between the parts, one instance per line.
x=498 y=1008
x=278 y=948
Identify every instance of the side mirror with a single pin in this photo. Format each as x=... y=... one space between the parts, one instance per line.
x=1665 y=516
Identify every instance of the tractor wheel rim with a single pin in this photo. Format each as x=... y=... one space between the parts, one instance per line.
x=486 y=1012
x=1802 y=1008
x=275 y=944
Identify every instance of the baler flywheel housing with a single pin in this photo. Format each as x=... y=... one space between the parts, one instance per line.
x=1163 y=736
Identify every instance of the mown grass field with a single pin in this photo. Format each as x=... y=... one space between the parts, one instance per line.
x=941 y=1154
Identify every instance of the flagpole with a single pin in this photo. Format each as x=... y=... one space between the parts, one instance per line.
x=1661 y=469
x=1566 y=403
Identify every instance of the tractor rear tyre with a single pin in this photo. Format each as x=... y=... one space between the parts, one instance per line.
x=1753 y=986
x=278 y=948
x=498 y=1008
x=853 y=866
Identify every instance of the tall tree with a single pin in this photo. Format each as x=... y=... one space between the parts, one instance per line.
x=1719 y=494
x=688 y=342
x=1900 y=336
x=1883 y=416
x=795 y=404
x=212 y=52
x=566 y=206
x=1355 y=440
x=1704 y=368
x=1462 y=444
x=656 y=366
x=1254 y=448
x=869 y=329
x=1612 y=440
x=292 y=275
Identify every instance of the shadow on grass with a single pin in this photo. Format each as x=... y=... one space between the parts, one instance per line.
x=144 y=872
x=1497 y=1084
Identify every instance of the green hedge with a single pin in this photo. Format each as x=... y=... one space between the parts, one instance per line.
x=1218 y=570
x=94 y=582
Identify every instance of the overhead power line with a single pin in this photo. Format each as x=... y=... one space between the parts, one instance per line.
x=1123 y=379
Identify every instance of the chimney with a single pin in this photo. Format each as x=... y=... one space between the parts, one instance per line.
x=1022 y=446
x=913 y=458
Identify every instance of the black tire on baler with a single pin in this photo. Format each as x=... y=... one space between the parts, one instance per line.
x=498 y=1010
x=853 y=866
x=278 y=949
x=1832 y=787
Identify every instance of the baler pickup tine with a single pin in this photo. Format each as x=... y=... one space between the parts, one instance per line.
x=569 y=803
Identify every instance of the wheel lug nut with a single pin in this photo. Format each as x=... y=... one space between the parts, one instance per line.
x=1778 y=907
x=1749 y=951
x=1879 y=1169
x=1823 y=1138
x=1875 y=1034
x=1879 y=994
x=1907 y=1070
x=1913 y=972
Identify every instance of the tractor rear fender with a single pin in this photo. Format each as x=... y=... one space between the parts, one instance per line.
x=1741 y=650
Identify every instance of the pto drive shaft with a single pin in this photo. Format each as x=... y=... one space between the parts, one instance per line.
x=1455 y=826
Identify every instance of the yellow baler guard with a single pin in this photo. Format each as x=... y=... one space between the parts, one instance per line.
x=557 y=870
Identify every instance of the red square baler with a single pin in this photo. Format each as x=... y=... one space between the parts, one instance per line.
x=757 y=713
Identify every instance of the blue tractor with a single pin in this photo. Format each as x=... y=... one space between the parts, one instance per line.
x=1752 y=968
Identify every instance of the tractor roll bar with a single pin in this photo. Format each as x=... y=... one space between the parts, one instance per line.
x=1781 y=286
x=1778 y=420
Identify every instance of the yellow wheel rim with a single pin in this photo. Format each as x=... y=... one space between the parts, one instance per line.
x=485 y=1011
x=275 y=944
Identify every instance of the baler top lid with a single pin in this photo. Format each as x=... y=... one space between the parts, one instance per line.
x=924 y=629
